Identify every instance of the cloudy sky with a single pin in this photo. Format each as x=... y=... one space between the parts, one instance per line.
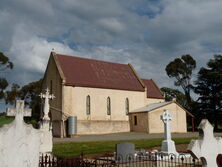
x=146 y=33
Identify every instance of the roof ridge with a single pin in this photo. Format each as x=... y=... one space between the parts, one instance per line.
x=91 y=59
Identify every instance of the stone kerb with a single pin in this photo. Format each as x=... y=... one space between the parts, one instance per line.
x=207 y=147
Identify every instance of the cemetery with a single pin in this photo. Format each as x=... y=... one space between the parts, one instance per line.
x=35 y=146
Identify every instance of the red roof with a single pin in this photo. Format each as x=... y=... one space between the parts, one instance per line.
x=100 y=74
x=152 y=89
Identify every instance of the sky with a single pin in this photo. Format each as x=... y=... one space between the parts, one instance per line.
x=146 y=33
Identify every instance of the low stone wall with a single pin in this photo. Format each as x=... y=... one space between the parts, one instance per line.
x=102 y=127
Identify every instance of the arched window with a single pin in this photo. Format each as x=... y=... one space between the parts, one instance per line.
x=127 y=106
x=108 y=106
x=88 y=105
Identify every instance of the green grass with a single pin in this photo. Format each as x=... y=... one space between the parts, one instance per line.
x=76 y=148
x=5 y=120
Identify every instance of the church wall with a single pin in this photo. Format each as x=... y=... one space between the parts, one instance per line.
x=53 y=82
x=178 y=123
x=98 y=121
x=141 y=124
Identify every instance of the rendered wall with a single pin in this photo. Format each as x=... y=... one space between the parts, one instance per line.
x=178 y=123
x=98 y=121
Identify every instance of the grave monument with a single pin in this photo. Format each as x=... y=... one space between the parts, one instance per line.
x=168 y=145
x=125 y=151
x=45 y=126
x=19 y=142
x=207 y=147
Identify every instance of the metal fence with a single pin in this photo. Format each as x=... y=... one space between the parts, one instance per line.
x=144 y=160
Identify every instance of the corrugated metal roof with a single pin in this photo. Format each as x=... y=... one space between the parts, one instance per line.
x=153 y=90
x=151 y=107
x=99 y=74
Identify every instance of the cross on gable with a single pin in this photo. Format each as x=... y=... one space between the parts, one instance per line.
x=207 y=147
x=19 y=109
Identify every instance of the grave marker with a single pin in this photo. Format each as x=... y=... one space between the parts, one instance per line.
x=125 y=151
x=26 y=112
x=46 y=129
x=168 y=145
x=19 y=146
x=207 y=147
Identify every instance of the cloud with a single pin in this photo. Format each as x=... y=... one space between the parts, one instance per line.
x=147 y=34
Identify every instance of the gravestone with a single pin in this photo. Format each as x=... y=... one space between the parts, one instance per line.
x=125 y=151
x=207 y=147
x=19 y=142
x=46 y=128
x=168 y=145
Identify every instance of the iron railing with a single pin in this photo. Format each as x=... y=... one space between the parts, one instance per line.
x=143 y=160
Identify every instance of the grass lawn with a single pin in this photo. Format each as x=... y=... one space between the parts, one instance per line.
x=76 y=148
x=5 y=120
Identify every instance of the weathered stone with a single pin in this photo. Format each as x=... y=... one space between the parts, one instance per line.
x=207 y=147
x=19 y=142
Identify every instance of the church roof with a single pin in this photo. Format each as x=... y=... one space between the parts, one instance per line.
x=98 y=74
x=155 y=106
x=152 y=107
x=153 y=90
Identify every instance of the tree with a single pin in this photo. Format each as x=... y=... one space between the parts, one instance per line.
x=4 y=65
x=181 y=69
x=209 y=89
x=174 y=93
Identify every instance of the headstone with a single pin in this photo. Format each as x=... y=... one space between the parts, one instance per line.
x=46 y=128
x=19 y=142
x=207 y=147
x=11 y=112
x=168 y=145
x=125 y=151
x=46 y=96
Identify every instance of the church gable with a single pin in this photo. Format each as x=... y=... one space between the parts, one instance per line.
x=98 y=74
x=153 y=90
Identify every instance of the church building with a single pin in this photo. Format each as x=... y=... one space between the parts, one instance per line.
x=105 y=97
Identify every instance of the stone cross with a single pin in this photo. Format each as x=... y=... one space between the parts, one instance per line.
x=20 y=142
x=166 y=118
x=207 y=147
x=46 y=96
x=19 y=109
x=168 y=146
x=46 y=128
